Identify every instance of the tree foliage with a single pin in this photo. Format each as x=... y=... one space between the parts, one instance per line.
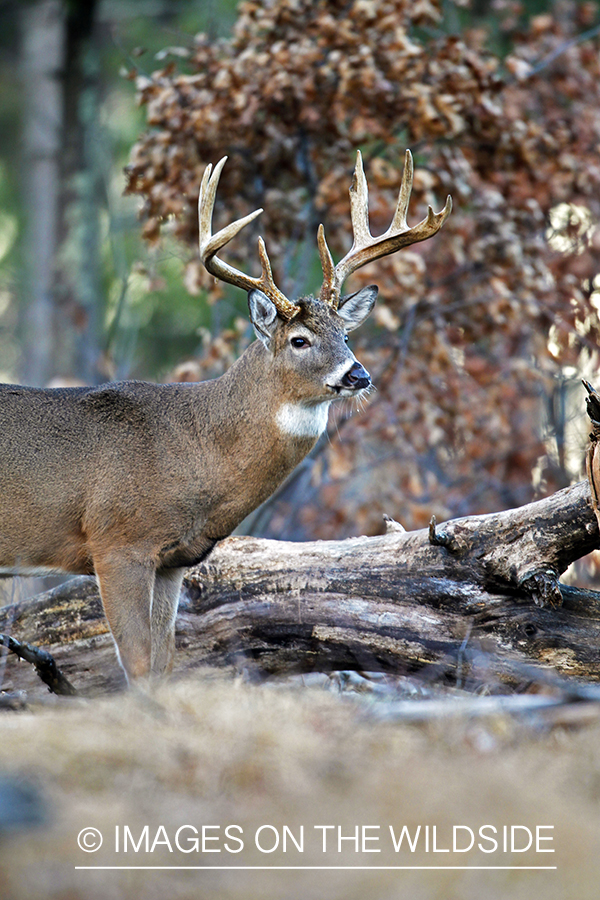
x=477 y=330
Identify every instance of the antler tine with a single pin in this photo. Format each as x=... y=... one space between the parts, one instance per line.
x=399 y=221
x=210 y=244
x=329 y=290
x=367 y=248
x=359 y=205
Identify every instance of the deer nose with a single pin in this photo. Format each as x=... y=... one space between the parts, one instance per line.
x=356 y=377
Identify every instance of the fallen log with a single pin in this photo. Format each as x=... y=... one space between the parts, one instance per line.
x=398 y=602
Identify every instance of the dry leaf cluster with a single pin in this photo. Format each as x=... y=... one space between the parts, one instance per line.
x=478 y=330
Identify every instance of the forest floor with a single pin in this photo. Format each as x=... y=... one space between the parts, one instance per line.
x=256 y=771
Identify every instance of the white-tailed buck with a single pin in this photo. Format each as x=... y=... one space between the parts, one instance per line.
x=134 y=482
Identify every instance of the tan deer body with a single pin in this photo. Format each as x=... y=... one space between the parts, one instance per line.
x=171 y=510
x=134 y=481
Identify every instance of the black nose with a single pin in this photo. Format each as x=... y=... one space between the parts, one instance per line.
x=356 y=377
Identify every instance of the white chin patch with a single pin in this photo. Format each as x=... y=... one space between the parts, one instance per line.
x=302 y=421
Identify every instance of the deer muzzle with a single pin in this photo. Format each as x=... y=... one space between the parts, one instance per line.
x=356 y=378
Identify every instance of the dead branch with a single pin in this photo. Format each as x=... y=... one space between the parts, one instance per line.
x=43 y=663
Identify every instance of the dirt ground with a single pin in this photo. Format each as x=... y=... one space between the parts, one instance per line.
x=236 y=782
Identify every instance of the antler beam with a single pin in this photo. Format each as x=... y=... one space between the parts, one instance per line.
x=367 y=248
x=210 y=243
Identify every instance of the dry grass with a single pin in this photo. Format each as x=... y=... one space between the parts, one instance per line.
x=216 y=752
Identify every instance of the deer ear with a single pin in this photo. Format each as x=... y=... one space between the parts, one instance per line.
x=354 y=308
x=263 y=315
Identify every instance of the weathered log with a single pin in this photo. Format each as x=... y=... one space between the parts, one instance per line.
x=396 y=602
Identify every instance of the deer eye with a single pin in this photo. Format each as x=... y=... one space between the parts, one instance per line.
x=299 y=342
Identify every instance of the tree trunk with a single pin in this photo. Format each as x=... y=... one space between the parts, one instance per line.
x=63 y=192
x=397 y=603
x=43 y=58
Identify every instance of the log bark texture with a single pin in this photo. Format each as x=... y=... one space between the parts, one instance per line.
x=396 y=602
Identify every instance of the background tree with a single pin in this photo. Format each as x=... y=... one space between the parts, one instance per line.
x=479 y=334
x=62 y=189
x=80 y=299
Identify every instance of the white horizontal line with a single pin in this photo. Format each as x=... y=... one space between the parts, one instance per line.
x=362 y=868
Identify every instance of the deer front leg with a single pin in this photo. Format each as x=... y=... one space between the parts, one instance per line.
x=126 y=586
x=164 y=611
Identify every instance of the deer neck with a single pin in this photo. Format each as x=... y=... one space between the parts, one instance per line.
x=256 y=432
x=253 y=400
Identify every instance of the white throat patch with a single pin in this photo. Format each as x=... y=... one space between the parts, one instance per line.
x=302 y=421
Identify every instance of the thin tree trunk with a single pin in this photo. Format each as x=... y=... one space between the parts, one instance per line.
x=62 y=190
x=44 y=35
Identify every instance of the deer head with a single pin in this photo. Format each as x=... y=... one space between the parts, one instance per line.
x=307 y=338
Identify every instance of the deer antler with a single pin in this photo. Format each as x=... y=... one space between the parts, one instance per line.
x=367 y=248
x=210 y=243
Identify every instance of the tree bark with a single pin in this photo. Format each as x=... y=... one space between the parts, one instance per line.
x=43 y=57
x=62 y=191
x=398 y=603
